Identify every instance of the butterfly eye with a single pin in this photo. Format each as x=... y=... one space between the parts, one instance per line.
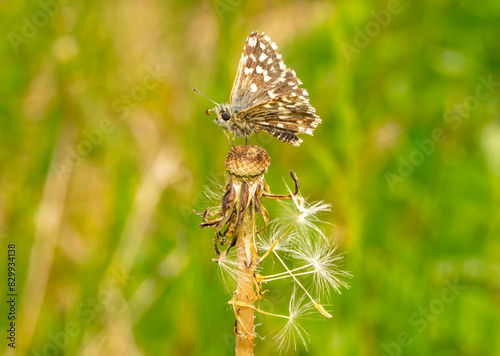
x=226 y=115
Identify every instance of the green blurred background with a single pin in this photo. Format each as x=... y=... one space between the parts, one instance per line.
x=105 y=151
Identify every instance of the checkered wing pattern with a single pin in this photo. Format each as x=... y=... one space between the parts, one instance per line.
x=268 y=93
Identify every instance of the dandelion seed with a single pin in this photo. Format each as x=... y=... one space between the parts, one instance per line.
x=304 y=214
x=273 y=236
x=293 y=332
x=317 y=305
x=324 y=260
x=228 y=271
x=214 y=193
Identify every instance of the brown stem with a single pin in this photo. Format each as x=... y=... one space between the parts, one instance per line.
x=245 y=292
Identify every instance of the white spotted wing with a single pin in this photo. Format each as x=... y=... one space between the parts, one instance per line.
x=267 y=94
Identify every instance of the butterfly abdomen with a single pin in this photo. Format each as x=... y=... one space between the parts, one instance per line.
x=282 y=134
x=242 y=128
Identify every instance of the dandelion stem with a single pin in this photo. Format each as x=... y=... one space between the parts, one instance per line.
x=245 y=290
x=246 y=166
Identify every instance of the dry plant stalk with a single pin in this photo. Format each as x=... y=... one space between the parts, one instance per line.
x=235 y=224
x=245 y=187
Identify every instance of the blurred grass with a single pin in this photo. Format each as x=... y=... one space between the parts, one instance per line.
x=123 y=212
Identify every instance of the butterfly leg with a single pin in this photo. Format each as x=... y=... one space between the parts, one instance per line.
x=227 y=135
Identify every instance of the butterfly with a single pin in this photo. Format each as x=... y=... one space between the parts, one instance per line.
x=266 y=96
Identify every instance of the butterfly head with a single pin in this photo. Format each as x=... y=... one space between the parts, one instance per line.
x=223 y=113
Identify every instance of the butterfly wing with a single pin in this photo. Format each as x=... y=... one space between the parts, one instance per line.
x=283 y=118
x=268 y=95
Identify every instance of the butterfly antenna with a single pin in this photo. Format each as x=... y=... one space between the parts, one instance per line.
x=199 y=92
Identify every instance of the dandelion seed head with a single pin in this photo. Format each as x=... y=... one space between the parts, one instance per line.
x=295 y=238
